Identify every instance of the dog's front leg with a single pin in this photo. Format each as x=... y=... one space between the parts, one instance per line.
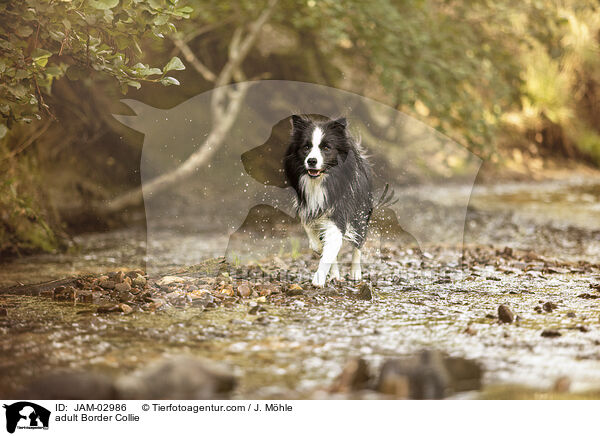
x=313 y=239
x=332 y=242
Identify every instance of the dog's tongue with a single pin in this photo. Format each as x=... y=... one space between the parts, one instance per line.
x=314 y=172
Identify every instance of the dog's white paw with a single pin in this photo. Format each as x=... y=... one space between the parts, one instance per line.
x=356 y=275
x=319 y=279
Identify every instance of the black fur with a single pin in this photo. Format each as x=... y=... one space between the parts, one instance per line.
x=346 y=179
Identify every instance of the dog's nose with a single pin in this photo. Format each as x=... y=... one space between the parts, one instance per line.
x=311 y=162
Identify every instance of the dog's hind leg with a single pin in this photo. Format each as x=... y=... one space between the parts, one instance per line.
x=332 y=242
x=355 y=272
x=335 y=271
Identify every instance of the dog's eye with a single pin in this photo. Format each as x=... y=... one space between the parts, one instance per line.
x=325 y=147
x=306 y=147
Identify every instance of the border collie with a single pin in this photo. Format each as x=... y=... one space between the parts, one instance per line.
x=332 y=179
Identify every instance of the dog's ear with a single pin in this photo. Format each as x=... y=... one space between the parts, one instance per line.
x=298 y=123
x=343 y=122
x=340 y=125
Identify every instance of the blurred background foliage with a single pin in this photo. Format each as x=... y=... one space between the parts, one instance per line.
x=504 y=78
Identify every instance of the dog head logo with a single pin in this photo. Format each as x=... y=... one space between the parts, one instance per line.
x=26 y=415
x=212 y=178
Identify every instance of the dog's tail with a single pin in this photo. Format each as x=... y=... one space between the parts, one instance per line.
x=387 y=197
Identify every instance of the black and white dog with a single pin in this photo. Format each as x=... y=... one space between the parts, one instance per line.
x=332 y=179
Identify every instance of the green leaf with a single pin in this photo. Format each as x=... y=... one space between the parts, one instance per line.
x=24 y=31
x=174 y=64
x=167 y=81
x=103 y=4
x=40 y=53
x=135 y=84
x=152 y=71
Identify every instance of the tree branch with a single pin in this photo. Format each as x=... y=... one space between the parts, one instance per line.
x=226 y=103
x=189 y=56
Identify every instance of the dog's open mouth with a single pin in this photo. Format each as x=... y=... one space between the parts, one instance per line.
x=314 y=173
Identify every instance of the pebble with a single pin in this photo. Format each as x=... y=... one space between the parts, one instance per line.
x=365 y=291
x=294 y=289
x=125 y=308
x=551 y=333
x=505 y=315
x=85 y=296
x=244 y=291
x=139 y=281
x=122 y=287
x=168 y=280
x=256 y=309
x=549 y=306
x=106 y=284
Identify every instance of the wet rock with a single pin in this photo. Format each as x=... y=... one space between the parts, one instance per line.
x=244 y=291
x=294 y=289
x=178 y=378
x=227 y=290
x=116 y=308
x=106 y=284
x=125 y=308
x=365 y=291
x=588 y=296
x=126 y=297
x=256 y=309
x=154 y=305
x=139 y=281
x=136 y=272
x=169 y=280
x=354 y=377
x=505 y=315
x=117 y=277
x=264 y=320
x=420 y=377
x=122 y=287
x=551 y=333
x=571 y=315
x=85 y=296
x=202 y=298
x=537 y=309
x=70 y=386
x=583 y=329
x=549 y=306
x=63 y=293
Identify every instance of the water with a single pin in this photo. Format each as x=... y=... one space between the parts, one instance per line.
x=299 y=345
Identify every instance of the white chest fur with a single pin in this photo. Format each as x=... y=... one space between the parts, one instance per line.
x=314 y=196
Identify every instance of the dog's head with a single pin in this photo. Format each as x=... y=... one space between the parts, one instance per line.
x=318 y=146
